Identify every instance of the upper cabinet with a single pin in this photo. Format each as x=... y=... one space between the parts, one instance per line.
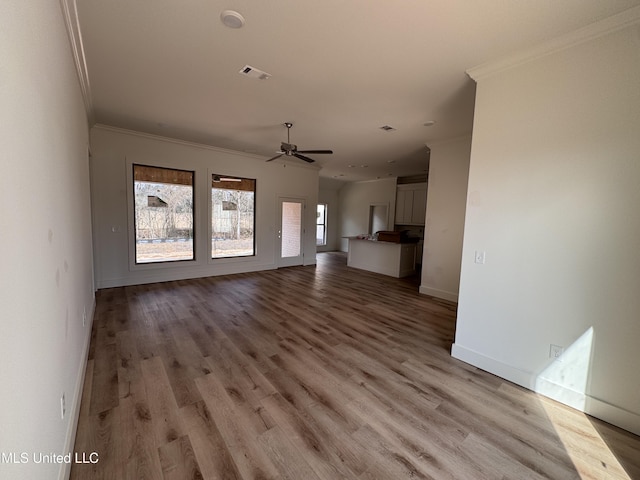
x=411 y=204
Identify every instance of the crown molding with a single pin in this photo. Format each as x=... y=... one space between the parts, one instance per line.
x=203 y=146
x=177 y=141
x=603 y=27
x=72 y=23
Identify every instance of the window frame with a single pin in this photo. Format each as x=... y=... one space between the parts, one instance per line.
x=233 y=258
x=131 y=213
x=324 y=225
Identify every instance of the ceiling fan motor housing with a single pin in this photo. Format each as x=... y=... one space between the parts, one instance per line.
x=291 y=150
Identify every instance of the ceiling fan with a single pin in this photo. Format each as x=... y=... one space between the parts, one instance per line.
x=291 y=150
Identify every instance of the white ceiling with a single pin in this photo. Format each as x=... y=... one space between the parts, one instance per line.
x=340 y=70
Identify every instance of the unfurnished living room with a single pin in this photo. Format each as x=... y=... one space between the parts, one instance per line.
x=320 y=240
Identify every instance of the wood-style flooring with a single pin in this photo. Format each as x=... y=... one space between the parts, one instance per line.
x=309 y=373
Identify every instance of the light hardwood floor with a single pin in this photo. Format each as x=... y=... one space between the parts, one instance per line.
x=310 y=373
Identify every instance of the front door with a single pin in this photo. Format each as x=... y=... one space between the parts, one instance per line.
x=291 y=232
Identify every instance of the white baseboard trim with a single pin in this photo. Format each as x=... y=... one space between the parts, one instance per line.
x=614 y=415
x=65 y=468
x=595 y=407
x=434 y=292
x=513 y=374
x=156 y=276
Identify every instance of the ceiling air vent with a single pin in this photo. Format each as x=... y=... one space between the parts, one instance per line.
x=252 y=72
x=387 y=128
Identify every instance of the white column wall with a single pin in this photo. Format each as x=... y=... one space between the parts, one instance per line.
x=553 y=200
x=46 y=280
x=444 y=224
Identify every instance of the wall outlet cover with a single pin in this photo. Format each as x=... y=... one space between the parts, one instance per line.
x=555 y=352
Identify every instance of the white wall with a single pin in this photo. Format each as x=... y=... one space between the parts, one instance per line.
x=444 y=225
x=45 y=239
x=113 y=151
x=553 y=200
x=355 y=200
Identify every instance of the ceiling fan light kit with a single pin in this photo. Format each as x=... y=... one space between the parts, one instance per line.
x=290 y=150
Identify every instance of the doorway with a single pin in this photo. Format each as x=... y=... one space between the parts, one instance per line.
x=291 y=232
x=378 y=217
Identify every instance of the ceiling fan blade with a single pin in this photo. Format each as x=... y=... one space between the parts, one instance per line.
x=273 y=158
x=290 y=150
x=302 y=157
x=315 y=151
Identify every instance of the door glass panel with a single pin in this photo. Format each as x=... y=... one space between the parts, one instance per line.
x=291 y=229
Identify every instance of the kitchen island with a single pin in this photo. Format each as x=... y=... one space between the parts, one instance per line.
x=388 y=258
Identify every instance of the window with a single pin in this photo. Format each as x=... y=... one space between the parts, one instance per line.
x=321 y=225
x=163 y=210
x=233 y=204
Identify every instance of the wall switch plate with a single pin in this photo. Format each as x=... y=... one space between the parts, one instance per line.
x=555 y=351
x=480 y=257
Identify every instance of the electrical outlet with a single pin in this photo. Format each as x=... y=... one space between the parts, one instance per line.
x=555 y=351
x=63 y=406
x=480 y=257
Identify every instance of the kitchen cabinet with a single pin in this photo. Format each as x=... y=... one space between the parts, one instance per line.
x=411 y=204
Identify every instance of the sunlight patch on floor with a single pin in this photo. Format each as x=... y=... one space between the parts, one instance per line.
x=566 y=379
x=589 y=453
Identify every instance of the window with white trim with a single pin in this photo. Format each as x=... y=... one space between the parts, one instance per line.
x=233 y=205
x=163 y=212
x=321 y=225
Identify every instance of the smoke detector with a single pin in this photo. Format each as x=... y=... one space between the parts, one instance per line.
x=232 y=19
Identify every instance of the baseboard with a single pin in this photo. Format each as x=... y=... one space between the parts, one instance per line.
x=614 y=415
x=595 y=407
x=434 y=292
x=156 y=276
x=513 y=374
x=65 y=468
